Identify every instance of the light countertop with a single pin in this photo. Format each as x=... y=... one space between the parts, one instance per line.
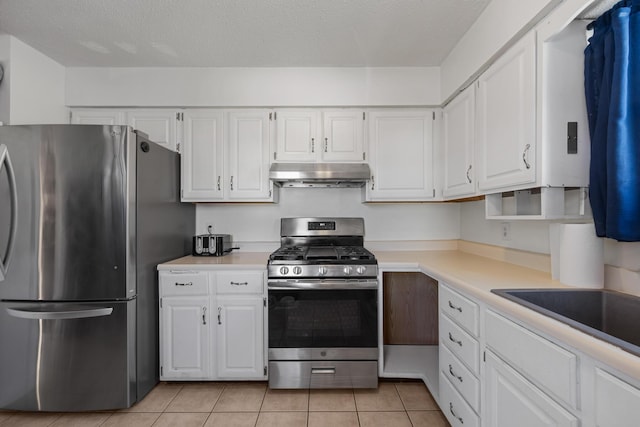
x=471 y=274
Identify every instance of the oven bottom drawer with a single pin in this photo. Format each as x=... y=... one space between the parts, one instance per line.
x=323 y=374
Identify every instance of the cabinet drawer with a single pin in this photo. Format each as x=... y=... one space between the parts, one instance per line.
x=461 y=344
x=461 y=378
x=617 y=402
x=188 y=283
x=240 y=282
x=542 y=361
x=454 y=407
x=461 y=309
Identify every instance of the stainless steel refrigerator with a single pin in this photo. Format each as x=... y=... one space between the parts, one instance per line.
x=86 y=214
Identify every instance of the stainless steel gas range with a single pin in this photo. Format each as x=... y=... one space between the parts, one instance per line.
x=323 y=306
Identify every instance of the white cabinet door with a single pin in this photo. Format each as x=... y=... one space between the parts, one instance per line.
x=342 y=137
x=161 y=125
x=617 y=403
x=185 y=338
x=506 y=118
x=249 y=151
x=202 y=156
x=240 y=349
x=459 y=139
x=98 y=116
x=401 y=155
x=510 y=400
x=297 y=136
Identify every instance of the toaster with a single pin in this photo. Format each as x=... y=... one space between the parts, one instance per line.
x=211 y=244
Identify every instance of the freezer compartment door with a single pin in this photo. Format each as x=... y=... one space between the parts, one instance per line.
x=67 y=357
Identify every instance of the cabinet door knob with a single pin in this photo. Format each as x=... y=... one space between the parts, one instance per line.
x=525 y=155
x=313 y=145
x=468 y=177
x=204 y=313
x=373 y=183
x=218 y=182
x=231 y=182
x=219 y=315
x=326 y=143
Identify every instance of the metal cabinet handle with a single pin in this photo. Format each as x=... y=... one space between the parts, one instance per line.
x=204 y=312
x=231 y=182
x=452 y=339
x=454 y=414
x=326 y=143
x=453 y=374
x=76 y=313
x=455 y=307
x=219 y=315
x=239 y=283
x=313 y=145
x=468 y=177
x=218 y=182
x=373 y=183
x=184 y=284
x=525 y=155
x=6 y=161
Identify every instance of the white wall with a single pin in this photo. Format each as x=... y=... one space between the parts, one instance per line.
x=238 y=87
x=383 y=221
x=622 y=259
x=37 y=87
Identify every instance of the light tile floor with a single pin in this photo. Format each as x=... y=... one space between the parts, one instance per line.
x=214 y=404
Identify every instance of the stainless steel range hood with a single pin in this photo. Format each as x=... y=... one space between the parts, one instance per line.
x=339 y=175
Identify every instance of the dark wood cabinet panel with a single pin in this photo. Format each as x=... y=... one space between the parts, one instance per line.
x=410 y=309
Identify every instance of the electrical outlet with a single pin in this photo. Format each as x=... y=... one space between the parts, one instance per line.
x=506 y=231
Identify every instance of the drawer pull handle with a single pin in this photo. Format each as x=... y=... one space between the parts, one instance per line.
x=455 y=307
x=525 y=155
x=325 y=371
x=184 y=284
x=452 y=339
x=204 y=313
x=239 y=283
x=453 y=374
x=454 y=414
x=219 y=316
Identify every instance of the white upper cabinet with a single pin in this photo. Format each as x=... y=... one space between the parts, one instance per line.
x=249 y=146
x=297 y=136
x=203 y=156
x=98 y=116
x=506 y=119
x=319 y=136
x=401 y=155
x=161 y=125
x=343 y=136
x=458 y=138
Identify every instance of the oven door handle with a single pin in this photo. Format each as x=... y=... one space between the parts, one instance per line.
x=322 y=284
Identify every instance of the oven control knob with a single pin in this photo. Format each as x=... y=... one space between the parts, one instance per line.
x=297 y=270
x=322 y=271
x=284 y=270
x=360 y=269
x=347 y=270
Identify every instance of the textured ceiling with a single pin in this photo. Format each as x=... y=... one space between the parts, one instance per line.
x=245 y=33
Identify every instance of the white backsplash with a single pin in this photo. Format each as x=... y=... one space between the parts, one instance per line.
x=259 y=223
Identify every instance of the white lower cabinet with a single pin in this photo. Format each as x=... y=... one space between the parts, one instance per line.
x=511 y=400
x=212 y=325
x=185 y=326
x=186 y=338
x=617 y=402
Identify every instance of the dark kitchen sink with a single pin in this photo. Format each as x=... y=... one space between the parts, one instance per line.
x=611 y=316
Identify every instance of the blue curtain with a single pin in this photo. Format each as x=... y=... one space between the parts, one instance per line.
x=612 y=87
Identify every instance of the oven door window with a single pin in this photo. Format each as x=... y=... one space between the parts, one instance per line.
x=323 y=318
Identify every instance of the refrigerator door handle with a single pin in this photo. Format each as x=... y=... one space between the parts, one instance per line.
x=6 y=161
x=76 y=313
